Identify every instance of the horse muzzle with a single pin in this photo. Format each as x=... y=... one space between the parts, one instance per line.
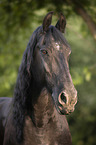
x=65 y=104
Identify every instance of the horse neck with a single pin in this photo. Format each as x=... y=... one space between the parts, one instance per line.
x=43 y=109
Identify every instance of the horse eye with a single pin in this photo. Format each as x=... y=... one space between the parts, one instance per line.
x=44 y=52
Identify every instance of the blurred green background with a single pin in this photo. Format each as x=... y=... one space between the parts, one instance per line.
x=18 y=20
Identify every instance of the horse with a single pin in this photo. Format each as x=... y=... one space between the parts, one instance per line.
x=44 y=92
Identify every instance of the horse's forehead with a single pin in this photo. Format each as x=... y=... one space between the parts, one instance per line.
x=58 y=43
x=54 y=43
x=58 y=46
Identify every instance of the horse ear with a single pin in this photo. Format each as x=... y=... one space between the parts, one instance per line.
x=61 y=24
x=47 y=21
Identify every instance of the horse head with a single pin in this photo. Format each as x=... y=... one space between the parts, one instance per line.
x=44 y=64
x=49 y=63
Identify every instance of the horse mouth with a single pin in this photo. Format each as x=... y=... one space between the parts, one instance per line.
x=65 y=111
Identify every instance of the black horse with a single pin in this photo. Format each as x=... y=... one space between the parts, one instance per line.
x=44 y=92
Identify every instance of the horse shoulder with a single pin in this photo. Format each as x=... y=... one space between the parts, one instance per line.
x=56 y=132
x=4 y=110
x=5 y=122
x=61 y=129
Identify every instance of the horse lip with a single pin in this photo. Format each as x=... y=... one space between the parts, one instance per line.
x=66 y=110
x=63 y=111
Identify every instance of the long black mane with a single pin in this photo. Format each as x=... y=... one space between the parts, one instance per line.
x=24 y=85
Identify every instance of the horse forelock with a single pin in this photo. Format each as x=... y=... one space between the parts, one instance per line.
x=58 y=36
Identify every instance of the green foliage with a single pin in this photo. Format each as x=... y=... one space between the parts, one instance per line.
x=18 y=20
x=83 y=71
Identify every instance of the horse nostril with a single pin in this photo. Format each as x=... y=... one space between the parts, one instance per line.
x=62 y=99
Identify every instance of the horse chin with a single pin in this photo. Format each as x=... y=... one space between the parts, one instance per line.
x=64 y=111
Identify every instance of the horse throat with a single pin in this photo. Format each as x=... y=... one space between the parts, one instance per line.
x=43 y=109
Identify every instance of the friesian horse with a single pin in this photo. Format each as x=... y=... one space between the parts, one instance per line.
x=44 y=92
